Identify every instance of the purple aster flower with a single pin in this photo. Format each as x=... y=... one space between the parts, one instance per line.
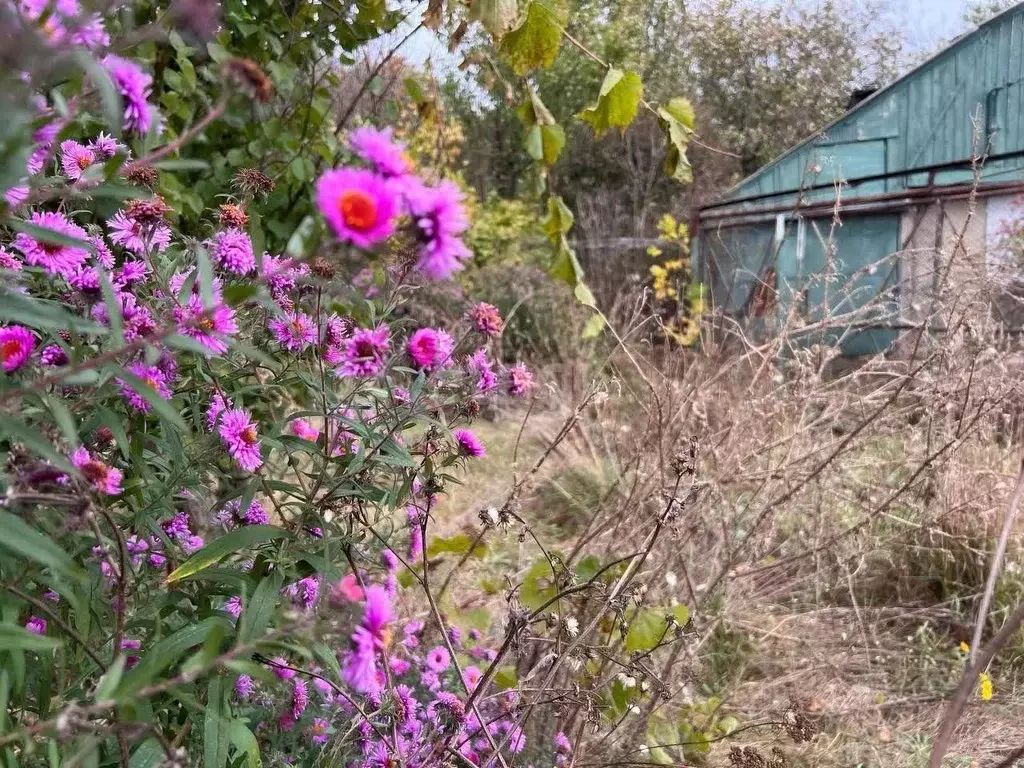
x=389 y=559
x=406 y=704
x=53 y=355
x=17 y=196
x=304 y=430
x=318 y=731
x=75 y=158
x=359 y=205
x=468 y=443
x=192 y=544
x=128 y=644
x=437 y=659
x=218 y=404
x=294 y=330
x=86 y=280
x=430 y=349
x=282 y=273
x=244 y=687
x=324 y=688
x=207 y=326
x=440 y=219
x=55 y=258
x=520 y=380
x=234 y=606
x=256 y=515
x=102 y=477
x=472 y=675
x=103 y=254
x=562 y=743
x=378 y=148
x=279 y=665
x=134 y=86
x=177 y=527
x=446 y=710
x=360 y=670
x=377 y=613
x=486 y=319
x=104 y=146
x=363 y=353
x=52 y=596
x=16 y=345
x=36 y=625
x=232 y=250
x=238 y=431
x=152 y=377
x=399 y=666
x=178 y=280
x=131 y=271
x=480 y=366
x=300 y=697
x=138 y=237
x=9 y=261
x=137 y=319
x=455 y=636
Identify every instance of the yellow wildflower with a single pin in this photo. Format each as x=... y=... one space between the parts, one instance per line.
x=985 y=689
x=964 y=647
x=654 y=251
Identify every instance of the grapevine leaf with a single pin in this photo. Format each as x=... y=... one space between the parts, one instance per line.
x=534 y=43
x=496 y=16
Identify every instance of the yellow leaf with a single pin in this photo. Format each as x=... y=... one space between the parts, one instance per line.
x=985 y=689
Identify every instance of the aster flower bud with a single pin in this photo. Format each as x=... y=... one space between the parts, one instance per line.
x=232 y=215
x=253 y=182
x=247 y=73
x=141 y=175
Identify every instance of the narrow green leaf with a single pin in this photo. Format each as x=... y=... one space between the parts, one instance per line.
x=216 y=727
x=205 y=272
x=110 y=97
x=260 y=608
x=63 y=416
x=14 y=638
x=182 y=164
x=113 y=308
x=149 y=755
x=111 y=679
x=167 y=652
x=218 y=549
x=245 y=742
x=35 y=313
x=35 y=441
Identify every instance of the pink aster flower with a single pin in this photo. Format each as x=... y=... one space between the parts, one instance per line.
x=9 y=261
x=430 y=349
x=346 y=591
x=130 y=272
x=137 y=319
x=75 y=158
x=359 y=205
x=486 y=319
x=360 y=670
x=294 y=330
x=128 y=644
x=377 y=613
x=233 y=606
x=520 y=380
x=18 y=195
x=440 y=219
x=55 y=258
x=378 y=148
x=138 y=237
x=318 y=731
x=207 y=326
x=16 y=344
x=53 y=355
x=102 y=477
x=232 y=250
x=304 y=430
x=238 y=431
x=282 y=274
x=86 y=280
x=437 y=659
x=480 y=366
x=468 y=443
x=278 y=664
x=300 y=697
x=472 y=676
x=151 y=376
x=103 y=253
x=134 y=86
x=363 y=353
x=244 y=687
x=178 y=280
x=218 y=404
x=104 y=146
x=36 y=625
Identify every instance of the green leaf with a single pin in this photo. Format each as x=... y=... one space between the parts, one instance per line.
x=111 y=679
x=245 y=742
x=149 y=755
x=534 y=43
x=182 y=164
x=538 y=585
x=505 y=677
x=459 y=544
x=34 y=441
x=218 y=549
x=566 y=266
x=216 y=727
x=496 y=16
x=204 y=274
x=18 y=537
x=584 y=295
x=593 y=327
x=558 y=221
x=303 y=239
x=63 y=416
x=681 y=109
x=167 y=652
x=113 y=308
x=544 y=137
x=681 y=614
x=260 y=608
x=647 y=629
x=677 y=138
x=14 y=638
x=35 y=313
x=617 y=103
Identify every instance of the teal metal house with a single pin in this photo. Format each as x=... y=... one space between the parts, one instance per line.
x=863 y=215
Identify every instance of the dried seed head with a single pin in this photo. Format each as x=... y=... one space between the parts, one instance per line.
x=322 y=268
x=247 y=73
x=141 y=175
x=253 y=182
x=232 y=215
x=149 y=211
x=797 y=725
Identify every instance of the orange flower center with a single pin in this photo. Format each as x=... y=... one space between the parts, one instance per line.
x=206 y=323
x=95 y=471
x=358 y=209
x=84 y=161
x=9 y=349
x=151 y=381
x=249 y=435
